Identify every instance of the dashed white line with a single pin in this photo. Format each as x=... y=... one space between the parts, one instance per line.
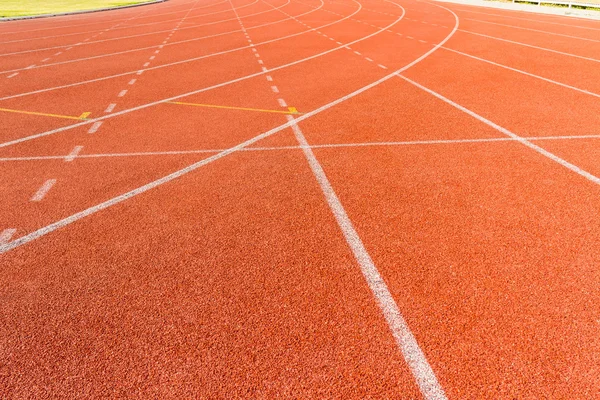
x=45 y=59
x=264 y=69
x=71 y=156
x=131 y=82
x=152 y=58
x=357 y=53
x=274 y=89
x=95 y=127
x=381 y=66
x=139 y=72
x=58 y=54
x=43 y=190
x=282 y=102
x=260 y=61
x=122 y=93
x=269 y=78
x=12 y=75
x=368 y=59
x=110 y=108
x=146 y=64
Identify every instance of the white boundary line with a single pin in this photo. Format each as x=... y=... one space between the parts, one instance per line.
x=172 y=63
x=412 y=353
x=508 y=133
x=264 y=71
x=313 y=146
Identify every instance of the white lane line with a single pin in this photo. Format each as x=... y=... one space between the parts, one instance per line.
x=110 y=108
x=43 y=190
x=357 y=53
x=368 y=59
x=508 y=133
x=256 y=54
x=275 y=89
x=533 y=30
x=157 y=51
x=422 y=41
x=269 y=78
x=260 y=62
x=6 y=235
x=381 y=66
x=254 y=50
x=146 y=64
x=45 y=59
x=531 y=46
x=523 y=72
x=95 y=127
x=71 y=156
x=140 y=72
x=12 y=75
x=282 y=102
x=222 y=84
x=131 y=82
x=414 y=356
x=152 y=58
x=57 y=54
x=31 y=66
x=125 y=196
x=122 y=93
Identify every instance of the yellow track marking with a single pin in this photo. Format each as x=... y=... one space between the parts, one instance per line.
x=83 y=116
x=292 y=110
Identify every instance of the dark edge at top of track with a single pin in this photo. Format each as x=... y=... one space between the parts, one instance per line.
x=146 y=3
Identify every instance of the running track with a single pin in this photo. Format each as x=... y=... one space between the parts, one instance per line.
x=401 y=200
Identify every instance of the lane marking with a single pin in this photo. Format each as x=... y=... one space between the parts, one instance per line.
x=282 y=102
x=192 y=167
x=533 y=30
x=530 y=45
x=231 y=108
x=260 y=62
x=13 y=75
x=71 y=156
x=8 y=110
x=523 y=72
x=122 y=93
x=274 y=89
x=269 y=78
x=110 y=108
x=414 y=356
x=506 y=132
x=85 y=115
x=43 y=190
x=368 y=59
x=381 y=66
x=6 y=235
x=131 y=82
x=95 y=127
x=146 y=64
x=222 y=84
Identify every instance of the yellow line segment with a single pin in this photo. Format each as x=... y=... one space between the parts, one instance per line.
x=41 y=114
x=292 y=110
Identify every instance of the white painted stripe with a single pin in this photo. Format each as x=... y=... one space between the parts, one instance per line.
x=152 y=57
x=274 y=89
x=131 y=82
x=264 y=70
x=157 y=51
x=95 y=127
x=31 y=66
x=254 y=50
x=523 y=72
x=422 y=41
x=357 y=53
x=531 y=46
x=505 y=131
x=12 y=75
x=45 y=59
x=256 y=54
x=269 y=78
x=122 y=93
x=260 y=61
x=71 y=156
x=58 y=54
x=6 y=235
x=110 y=108
x=43 y=190
x=414 y=356
x=368 y=59
x=146 y=64
x=282 y=102
x=140 y=72
x=68 y=48
x=381 y=66
x=533 y=30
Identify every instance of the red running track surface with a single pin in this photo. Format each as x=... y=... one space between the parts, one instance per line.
x=300 y=199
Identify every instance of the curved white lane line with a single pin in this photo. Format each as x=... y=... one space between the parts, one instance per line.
x=141 y=15
x=125 y=27
x=174 y=63
x=159 y=45
x=142 y=34
x=116 y=200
